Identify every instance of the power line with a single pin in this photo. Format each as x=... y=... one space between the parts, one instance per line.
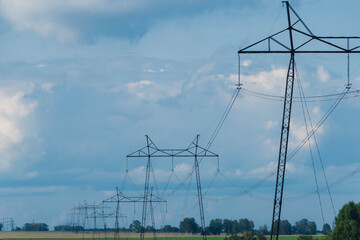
x=293 y=153
x=303 y=100
x=321 y=98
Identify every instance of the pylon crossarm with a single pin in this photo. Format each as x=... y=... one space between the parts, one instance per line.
x=333 y=48
x=284 y=48
x=308 y=43
x=185 y=153
x=151 y=151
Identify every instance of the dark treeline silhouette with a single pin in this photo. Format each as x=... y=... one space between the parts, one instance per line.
x=35 y=227
x=216 y=227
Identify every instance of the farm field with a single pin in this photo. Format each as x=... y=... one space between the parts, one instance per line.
x=110 y=235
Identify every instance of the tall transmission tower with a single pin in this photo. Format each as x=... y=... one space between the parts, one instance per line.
x=119 y=197
x=295 y=45
x=8 y=224
x=192 y=151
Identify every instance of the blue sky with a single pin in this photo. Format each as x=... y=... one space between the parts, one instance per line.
x=82 y=82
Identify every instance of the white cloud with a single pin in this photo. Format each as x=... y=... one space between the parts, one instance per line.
x=47 y=17
x=323 y=75
x=316 y=110
x=298 y=134
x=13 y=111
x=246 y=63
x=140 y=84
x=27 y=176
x=298 y=131
x=109 y=193
x=31 y=190
x=150 y=70
x=14 y=105
x=35 y=15
x=137 y=174
x=47 y=87
x=182 y=168
x=69 y=20
x=261 y=171
x=234 y=173
x=40 y=65
x=238 y=172
x=270 y=124
x=149 y=91
x=269 y=82
x=357 y=79
x=268 y=168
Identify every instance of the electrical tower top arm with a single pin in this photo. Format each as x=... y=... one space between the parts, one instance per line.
x=275 y=42
x=153 y=151
x=294 y=39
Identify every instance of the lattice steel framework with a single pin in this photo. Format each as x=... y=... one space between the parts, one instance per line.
x=192 y=151
x=119 y=197
x=303 y=43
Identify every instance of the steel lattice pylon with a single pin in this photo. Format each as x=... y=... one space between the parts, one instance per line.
x=285 y=130
x=192 y=151
x=275 y=45
x=119 y=197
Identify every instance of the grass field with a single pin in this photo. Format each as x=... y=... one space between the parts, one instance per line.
x=101 y=236
x=109 y=238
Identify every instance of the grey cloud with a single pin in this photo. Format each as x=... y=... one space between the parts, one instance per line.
x=87 y=21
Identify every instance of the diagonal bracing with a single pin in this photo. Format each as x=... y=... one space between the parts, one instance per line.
x=192 y=151
x=303 y=43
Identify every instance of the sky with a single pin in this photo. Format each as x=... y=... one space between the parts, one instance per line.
x=82 y=82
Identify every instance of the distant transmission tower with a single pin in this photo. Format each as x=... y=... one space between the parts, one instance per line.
x=8 y=224
x=192 y=151
x=274 y=45
x=119 y=197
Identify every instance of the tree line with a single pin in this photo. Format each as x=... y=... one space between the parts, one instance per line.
x=33 y=227
x=190 y=226
x=230 y=227
x=347 y=226
x=218 y=226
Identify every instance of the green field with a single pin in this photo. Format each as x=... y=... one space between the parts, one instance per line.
x=161 y=238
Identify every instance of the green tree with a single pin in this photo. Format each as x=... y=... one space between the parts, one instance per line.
x=216 y=226
x=68 y=228
x=305 y=226
x=169 y=228
x=260 y=236
x=312 y=227
x=135 y=226
x=227 y=226
x=234 y=227
x=263 y=229
x=285 y=227
x=347 y=223
x=149 y=229
x=35 y=227
x=245 y=225
x=188 y=225
x=326 y=229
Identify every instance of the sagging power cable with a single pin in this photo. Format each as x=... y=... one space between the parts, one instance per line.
x=293 y=153
x=315 y=98
x=303 y=106
x=211 y=140
x=317 y=148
